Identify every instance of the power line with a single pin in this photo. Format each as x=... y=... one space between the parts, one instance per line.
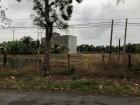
x=76 y=27
x=82 y=19
x=84 y=25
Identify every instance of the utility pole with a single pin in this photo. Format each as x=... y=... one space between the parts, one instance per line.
x=13 y=34
x=119 y=48
x=125 y=35
x=110 y=50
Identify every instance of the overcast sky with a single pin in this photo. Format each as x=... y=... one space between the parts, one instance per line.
x=90 y=11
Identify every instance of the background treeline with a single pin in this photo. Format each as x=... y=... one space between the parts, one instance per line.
x=28 y=46
x=25 y=46
x=85 y=48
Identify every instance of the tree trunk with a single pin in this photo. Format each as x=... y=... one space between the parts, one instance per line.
x=47 y=58
x=49 y=32
x=46 y=63
x=48 y=35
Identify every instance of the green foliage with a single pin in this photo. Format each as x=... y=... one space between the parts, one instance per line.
x=84 y=85
x=25 y=45
x=95 y=86
x=49 y=12
x=131 y=48
x=56 y=49
x=27 y=42
x=15 y=47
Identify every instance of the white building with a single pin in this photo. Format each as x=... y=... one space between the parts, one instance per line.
x=67 y=43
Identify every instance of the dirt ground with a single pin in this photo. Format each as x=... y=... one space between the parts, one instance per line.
x=40 y=98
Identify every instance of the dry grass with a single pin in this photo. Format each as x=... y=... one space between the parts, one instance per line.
x=30 y=70
x=96 y=65
x=84 y=65
x=88 y=65
x=27 y=71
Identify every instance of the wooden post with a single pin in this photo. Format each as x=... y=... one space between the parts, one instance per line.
x=69 y=67
x=4 y=58
x=129 y=61
x=125 y=35
x=119 y=47
x=37 y=60
x=110 y=50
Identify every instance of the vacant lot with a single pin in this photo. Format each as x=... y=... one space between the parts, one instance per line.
x=88 y=73
x=98 y=64
x=82 y=64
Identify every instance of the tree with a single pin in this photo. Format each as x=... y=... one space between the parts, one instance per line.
x=48 y=14
x=4 y=21
x=14 y=47
x=26 y=45
x=118 y=1
x=27 y=42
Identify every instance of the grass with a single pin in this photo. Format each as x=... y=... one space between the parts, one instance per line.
x=17 y=81
x=88 y=74
x=92 y=65
x=89 y=65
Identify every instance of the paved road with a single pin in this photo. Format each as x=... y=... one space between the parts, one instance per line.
x=38 y=98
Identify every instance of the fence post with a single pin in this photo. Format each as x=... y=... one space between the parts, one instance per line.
x=69 y=67
x=38 y=61
x=4 y=57
x=129 y=61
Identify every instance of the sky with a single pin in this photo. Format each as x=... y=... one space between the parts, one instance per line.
x=89 y=11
